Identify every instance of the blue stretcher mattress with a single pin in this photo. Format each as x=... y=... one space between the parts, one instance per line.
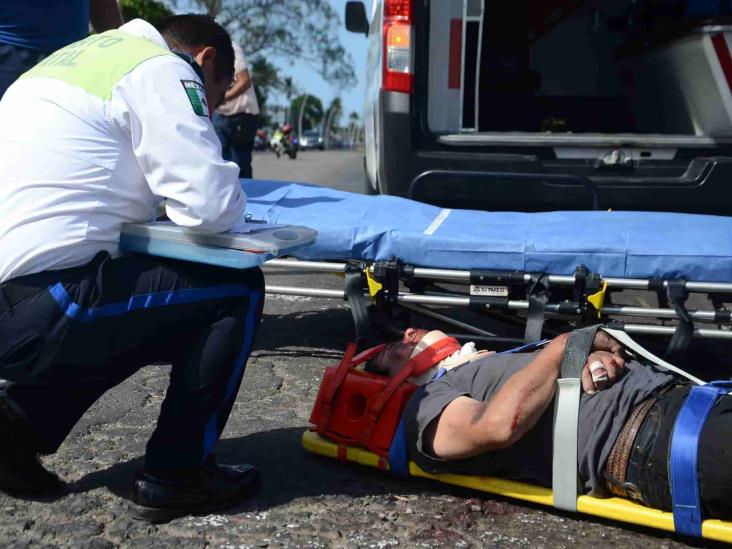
x=613 y=244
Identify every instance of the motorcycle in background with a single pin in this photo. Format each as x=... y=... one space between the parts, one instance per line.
x=284 y=142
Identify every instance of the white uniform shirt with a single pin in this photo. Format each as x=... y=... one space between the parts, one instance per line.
x=75 y=167
x=245 y=102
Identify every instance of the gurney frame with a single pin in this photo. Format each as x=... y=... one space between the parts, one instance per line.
x=536 y=299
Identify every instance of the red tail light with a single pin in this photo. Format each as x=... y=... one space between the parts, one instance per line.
x=398 y=54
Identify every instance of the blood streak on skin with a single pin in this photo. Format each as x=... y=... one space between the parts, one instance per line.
x=515 y=421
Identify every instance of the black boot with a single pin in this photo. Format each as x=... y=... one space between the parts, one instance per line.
x=21 y=471
x=211 y=488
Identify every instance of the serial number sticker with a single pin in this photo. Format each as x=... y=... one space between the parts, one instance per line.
x=489 y=291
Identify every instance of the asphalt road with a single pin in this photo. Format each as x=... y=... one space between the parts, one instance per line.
x=305 y=501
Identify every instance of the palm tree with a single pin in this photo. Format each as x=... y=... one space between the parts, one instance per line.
x=354 y=130
x=334 y=112
x=289 y=88
x=311 y=109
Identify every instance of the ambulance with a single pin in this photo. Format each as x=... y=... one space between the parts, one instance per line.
x=534 y=105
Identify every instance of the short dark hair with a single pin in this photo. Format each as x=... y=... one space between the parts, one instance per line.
x=195 y=30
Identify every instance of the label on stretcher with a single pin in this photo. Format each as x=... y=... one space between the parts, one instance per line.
x=489 y=291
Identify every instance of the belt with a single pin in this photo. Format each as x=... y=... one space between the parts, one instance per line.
x=616 y=467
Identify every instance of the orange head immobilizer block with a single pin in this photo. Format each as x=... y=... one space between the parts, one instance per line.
x=359 y=408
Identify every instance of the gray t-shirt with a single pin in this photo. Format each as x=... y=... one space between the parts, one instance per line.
x=602 y=416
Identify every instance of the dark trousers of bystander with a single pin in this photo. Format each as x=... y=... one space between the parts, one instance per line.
x=649 y=459
x=14 y=61
x=70 y=335
x=236 y=134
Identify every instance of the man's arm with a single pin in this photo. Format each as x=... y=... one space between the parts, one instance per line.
x=104 y=15
x=468 y=427
x=241 y=84
x=161 y=109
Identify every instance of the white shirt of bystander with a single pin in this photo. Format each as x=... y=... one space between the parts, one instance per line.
x=246 y=102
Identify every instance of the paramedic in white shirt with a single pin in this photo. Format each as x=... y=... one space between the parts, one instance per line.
x=236 y=119
x=97 y=135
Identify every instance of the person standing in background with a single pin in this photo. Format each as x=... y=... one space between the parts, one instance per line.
x=31 y=29
x=236 y=119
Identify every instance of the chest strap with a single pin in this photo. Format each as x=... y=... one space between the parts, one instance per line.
x=566 y=418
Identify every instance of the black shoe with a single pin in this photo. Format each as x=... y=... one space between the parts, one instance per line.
x=211 y=488
x=21 y=471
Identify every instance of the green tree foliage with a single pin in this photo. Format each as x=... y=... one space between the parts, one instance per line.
x=149 y=10
x=312 y=116
x=298 y=30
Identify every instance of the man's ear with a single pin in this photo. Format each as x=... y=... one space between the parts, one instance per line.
x=206 y=55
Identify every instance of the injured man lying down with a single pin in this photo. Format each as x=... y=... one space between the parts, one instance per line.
x=482 y=413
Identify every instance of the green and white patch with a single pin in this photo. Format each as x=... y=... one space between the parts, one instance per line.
x=197 y=96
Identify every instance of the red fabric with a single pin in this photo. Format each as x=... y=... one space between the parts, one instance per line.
x=456 y=54
x=725 y=59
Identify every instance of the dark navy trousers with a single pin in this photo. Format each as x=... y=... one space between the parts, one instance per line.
x=77 y=332
x=14 y=61
x=237 y=134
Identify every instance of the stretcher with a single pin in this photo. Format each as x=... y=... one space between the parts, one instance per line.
x=357 y=418
x=532 y=267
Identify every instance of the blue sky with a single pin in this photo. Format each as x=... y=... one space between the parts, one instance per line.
x=307 y=79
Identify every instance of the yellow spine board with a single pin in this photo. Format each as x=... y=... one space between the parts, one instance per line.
x=608 y=508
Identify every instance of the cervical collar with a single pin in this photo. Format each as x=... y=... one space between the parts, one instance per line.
x=465 y=354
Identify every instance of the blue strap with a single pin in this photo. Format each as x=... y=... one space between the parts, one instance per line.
x=398 y=451
x=525 y=348
x=684 y=453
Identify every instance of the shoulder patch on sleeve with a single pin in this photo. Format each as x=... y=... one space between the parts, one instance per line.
x=197 y=96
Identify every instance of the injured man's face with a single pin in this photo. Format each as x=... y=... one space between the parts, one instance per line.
x=395 y=356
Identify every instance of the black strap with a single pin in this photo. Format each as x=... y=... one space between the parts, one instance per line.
x=357 y=302
x=677 y=294
x=537 y=308
x=577 y=350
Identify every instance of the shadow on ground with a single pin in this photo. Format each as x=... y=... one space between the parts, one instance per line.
x=326 y=329
x=289 y=471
